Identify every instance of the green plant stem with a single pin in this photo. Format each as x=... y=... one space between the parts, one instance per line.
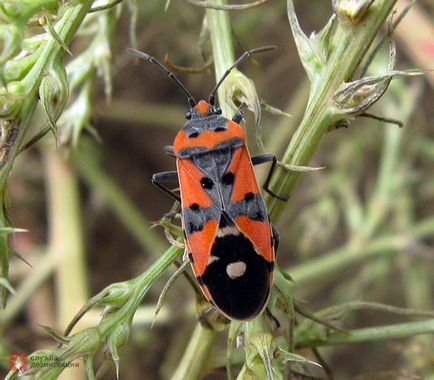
x=66 y=241
x=351 y=42
x=196 y=354
x=66 y=235
x=141 y=286
x=286 y=126
x=222 y=48
x=399 y=330
x=341 y=258
x=127 y=213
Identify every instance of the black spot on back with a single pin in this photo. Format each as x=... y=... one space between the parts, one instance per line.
x=207 y=183
x=194 y=207
x=228 y=178
x=220 y=129
x=193 y=135
x=190 y=257
x=194 y=228
x=249 y=196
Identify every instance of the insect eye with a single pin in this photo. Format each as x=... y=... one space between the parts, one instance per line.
x=217 y=110
x=188 y=115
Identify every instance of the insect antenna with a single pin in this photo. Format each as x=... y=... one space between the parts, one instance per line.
x=163 y=68
x=241 y=59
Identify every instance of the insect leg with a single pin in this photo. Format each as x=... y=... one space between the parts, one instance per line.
x=262 y=158
x=239 y=114
x=267 y=157
x=173 y=211
x=171 y=176
x=267 y=181
x=272 y=318
x=204 y=316
x=276 y=237
x=168 y=149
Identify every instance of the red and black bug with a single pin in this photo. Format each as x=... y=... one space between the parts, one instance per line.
x=229 y=238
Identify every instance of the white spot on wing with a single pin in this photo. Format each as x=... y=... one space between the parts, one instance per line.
x=212 y=259
x=236 y=269
x=230 y=230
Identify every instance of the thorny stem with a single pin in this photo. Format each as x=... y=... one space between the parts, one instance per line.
x=50 y=50
x=351 y=42
x=141 y=286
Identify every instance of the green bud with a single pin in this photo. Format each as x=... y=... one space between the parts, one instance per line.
x=58 y=73
x=84 y=342
x=117 y=339
x=116 y=295
x=314 y=50
x=53 y=93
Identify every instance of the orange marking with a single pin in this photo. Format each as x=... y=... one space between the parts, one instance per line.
x=207 y=138
x=200 y=243
x=245 y=180
x=189 y=183
x=202 y=107
x=259 y=233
